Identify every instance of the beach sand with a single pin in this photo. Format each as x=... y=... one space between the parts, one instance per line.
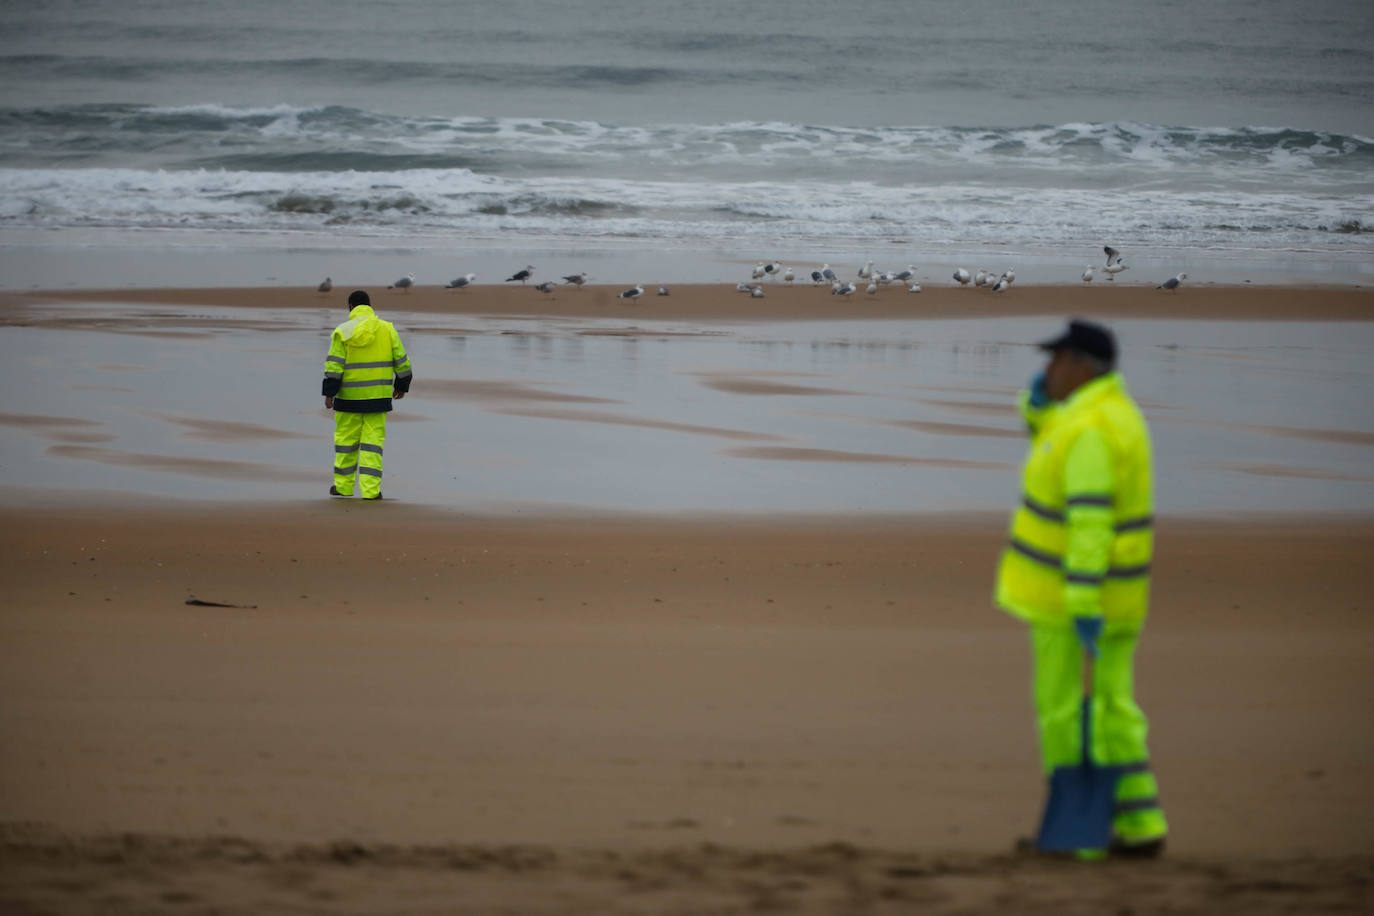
x=802 y=302
x=634 y=714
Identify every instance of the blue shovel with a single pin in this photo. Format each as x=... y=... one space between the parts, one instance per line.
x=1078 y=814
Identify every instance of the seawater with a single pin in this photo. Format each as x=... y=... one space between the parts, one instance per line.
x=1232 y=127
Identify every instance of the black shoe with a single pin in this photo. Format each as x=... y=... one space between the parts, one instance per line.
x=371 y=498
x=1150 y=849
x=334 y=491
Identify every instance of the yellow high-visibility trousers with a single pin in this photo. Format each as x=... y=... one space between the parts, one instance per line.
x=358 y=442
x=1118 y=727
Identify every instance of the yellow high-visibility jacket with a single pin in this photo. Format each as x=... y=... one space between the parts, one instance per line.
x=1083 y=537
x=366 y=362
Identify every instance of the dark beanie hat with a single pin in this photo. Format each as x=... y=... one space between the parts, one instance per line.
x=358 y=297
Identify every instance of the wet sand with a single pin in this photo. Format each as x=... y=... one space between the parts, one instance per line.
x=605 y=714
x=719 y=302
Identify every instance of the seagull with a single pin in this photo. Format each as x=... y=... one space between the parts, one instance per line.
x=772 y=268
x=759 y=271
x=663 y=290
x=577 y=279
x=885 y=278
x=1173 y=282
x=744 y=287
x=817 y=277
x=1001 y=284
x=914 y=288
x=1114 y=269
x=905 y=275
x=872 y=287
x=828 y=273
x=1010 y=274
x=981 y=277
x=462 y=282
x=961 y=275
x=404 y=283
x=866 y=271
x=1088 y=274
x=522 y=275
x=788 y=276
x=326 y=286
x=1113 y=256
x=633 y=292
x=757 y=292
x=842 y=289
x=546 y=287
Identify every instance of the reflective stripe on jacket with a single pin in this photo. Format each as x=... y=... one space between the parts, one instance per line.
x=366 y=362
x=1083 y=538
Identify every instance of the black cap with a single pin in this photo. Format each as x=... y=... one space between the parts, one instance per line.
x=1085 y=337
x=358 y=297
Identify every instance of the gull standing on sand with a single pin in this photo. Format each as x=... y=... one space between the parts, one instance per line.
x=981 y=277
x=546 y=287
x=828 y=273
x=914 y=288
x=326 y=286
x=842 y=289
x=759 y=271
x=757 y=292
x=772 y=268
x=633 y=292
x=866 y=271
x=905 y=275
x=744 y=287
x=522 y=275
x=788 y=276
x=404 y=283
x=817 y=277
x=1001 y=284
x=576 y=279
x=1173 y=282
x=962 y=276
x=462 y=282
x=1113 y=256
x=872 y=287
x=1088 y=274
x=1113 y=269
x=663 y=290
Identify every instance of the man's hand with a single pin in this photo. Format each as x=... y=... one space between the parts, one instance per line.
x=1088 y=630
x=397 y=393
x=328 y=402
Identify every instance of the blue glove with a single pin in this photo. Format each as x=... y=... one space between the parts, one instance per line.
x=1088 y=630
x=1039 y=393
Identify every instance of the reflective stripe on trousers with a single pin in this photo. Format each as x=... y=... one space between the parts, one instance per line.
x=358 y=442
x=1118 y=728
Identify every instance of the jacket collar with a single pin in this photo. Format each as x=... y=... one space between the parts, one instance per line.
x=361 y=311
x=1094 y=391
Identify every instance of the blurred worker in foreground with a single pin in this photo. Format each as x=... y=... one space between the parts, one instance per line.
x=366 y=367
x=1077 y=569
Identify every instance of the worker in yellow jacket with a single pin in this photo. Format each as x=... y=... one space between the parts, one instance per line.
x=366 y=367
x=1077 y=569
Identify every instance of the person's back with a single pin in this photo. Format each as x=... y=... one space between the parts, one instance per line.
x=365 y=369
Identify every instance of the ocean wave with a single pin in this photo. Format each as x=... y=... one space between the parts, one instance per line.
x=286 y=138
x=461 y=202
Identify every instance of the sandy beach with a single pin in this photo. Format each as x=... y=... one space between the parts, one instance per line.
x=303 y=705
x=799 y=302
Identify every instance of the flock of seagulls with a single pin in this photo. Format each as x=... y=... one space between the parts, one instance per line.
x=774 y=272
x=982 y=277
